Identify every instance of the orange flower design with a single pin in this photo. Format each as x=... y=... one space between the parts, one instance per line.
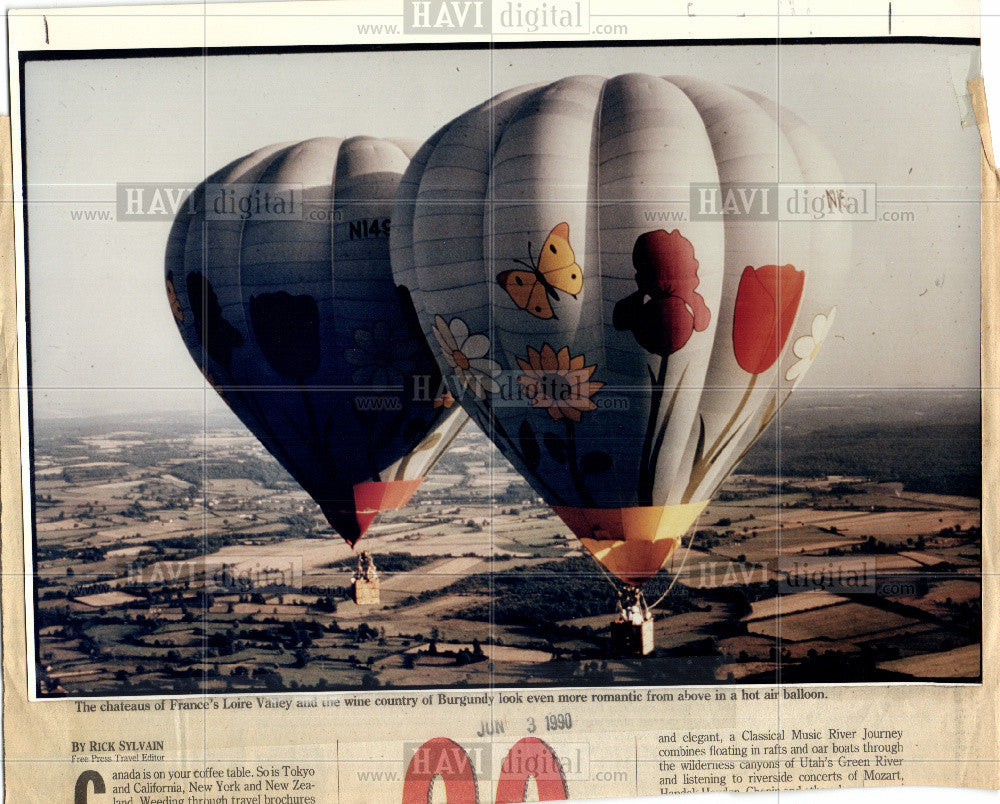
x=558 y=383
x=446 y=400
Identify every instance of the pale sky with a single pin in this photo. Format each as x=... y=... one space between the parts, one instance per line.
x=103 y=339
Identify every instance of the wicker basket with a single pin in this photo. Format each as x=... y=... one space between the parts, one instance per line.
x=631 y=639
x=366 y=591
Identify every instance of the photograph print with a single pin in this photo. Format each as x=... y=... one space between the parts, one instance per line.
x=638 y=364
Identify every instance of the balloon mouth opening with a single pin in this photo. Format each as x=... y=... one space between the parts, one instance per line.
x=370 y=499
x=632 y=543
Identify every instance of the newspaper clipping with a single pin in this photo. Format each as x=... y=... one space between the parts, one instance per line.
x=497 y=401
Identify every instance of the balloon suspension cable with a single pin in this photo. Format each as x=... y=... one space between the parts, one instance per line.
x=680 y=569
x=608 y=577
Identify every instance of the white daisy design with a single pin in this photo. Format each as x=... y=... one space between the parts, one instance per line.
x=466 y=354
x=807 y=347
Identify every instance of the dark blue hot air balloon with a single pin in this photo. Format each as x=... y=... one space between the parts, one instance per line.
x=278 y=276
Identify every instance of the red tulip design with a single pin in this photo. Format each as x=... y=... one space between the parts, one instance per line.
x=766 y=303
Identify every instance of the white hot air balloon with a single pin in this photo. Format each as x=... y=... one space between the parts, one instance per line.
x=623 y=354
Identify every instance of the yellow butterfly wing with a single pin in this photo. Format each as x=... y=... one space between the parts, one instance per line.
x=557 y=262
x=538 y=302
x=526 y=291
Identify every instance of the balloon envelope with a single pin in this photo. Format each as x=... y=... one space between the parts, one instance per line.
x=278 y=277
x=613 y=298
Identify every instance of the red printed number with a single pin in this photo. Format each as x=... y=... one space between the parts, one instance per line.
x=528 y=758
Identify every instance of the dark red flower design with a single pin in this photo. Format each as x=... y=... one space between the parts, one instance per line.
x=766 y=303
x=666 y=309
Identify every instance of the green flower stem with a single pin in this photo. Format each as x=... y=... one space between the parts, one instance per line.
x=646 y=465
x=703 y=462
x=654 y=458
x=579 y=483
x=768 y=417
x=502 y=432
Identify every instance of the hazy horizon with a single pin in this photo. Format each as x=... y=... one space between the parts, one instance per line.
x=803 y=404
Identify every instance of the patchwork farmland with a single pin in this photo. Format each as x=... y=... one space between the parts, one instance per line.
x=174 y=560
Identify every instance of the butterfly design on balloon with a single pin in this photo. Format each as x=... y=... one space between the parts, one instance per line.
x=556 y=269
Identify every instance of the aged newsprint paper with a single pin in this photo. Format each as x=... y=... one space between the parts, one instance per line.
x=497 y=400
